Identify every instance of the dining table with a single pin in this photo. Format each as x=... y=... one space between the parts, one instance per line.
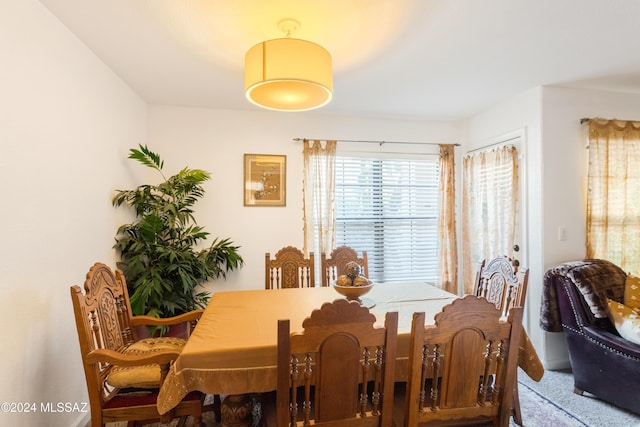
x=233 y=349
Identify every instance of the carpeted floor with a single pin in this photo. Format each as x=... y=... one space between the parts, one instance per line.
x=556 y=388
x=539 y=412
x=549 y=403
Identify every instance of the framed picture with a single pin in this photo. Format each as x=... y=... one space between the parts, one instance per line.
x=265 y=180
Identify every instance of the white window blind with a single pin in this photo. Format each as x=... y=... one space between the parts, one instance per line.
x=389 y=208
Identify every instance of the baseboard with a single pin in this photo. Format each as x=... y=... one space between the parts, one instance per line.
x=84 y=420
x=557 y=364
x=555 y=355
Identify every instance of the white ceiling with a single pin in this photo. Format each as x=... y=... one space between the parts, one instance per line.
x=425 y=59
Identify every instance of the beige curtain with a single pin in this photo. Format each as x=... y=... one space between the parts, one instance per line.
x=489 y=204
x=613 y=197
x=448 y=256
x=319 y=197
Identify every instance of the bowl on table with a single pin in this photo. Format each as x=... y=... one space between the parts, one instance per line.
x=354 y=293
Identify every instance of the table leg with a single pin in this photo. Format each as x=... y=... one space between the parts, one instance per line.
x=237 y=411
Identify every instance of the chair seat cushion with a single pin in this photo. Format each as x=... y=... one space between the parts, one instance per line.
x=626 y=320
x=144 y=376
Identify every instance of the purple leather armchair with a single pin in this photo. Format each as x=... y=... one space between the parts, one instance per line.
x=574 y=301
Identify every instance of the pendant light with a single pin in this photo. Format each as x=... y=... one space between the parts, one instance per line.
x=288 y=74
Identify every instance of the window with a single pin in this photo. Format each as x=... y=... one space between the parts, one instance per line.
x=613 y=196
x=389 y=208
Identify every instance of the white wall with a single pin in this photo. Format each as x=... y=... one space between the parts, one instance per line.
x=565 y=161
x=521 y=114
x=66 y=123
x=216 y=140
x=556 y=161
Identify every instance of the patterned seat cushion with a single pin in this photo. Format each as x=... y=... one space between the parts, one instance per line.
x=626 y=320
x=145 y=376
x=632 y=292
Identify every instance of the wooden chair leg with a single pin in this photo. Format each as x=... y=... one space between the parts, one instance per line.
x=166 y=418
x=517 y=415
x=217 y=408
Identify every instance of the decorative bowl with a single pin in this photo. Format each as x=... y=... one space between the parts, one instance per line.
x=353 y=293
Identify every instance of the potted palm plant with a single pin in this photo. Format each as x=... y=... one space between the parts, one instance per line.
x=163 y=256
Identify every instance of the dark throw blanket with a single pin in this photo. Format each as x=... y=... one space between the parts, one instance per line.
x=596 y=279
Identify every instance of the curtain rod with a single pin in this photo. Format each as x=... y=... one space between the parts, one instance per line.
x=586 y=119
x=495 y=144
x=375 y=142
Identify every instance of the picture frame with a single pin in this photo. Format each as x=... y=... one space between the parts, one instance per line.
x=265 y=180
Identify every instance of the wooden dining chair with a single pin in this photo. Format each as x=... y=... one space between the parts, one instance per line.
x=461 y=368
x=124 y=373
x=501 y=283
x=333 y=266
x=289 y=269
x=339 y=370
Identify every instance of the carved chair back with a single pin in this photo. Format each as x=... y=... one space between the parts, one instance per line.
x=289 y=269
x=500 y=282
x=333 y=266
x=339 y=369
x=103 y=320
x=461 y=367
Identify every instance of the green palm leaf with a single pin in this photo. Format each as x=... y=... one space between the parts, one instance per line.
x=158 y=250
